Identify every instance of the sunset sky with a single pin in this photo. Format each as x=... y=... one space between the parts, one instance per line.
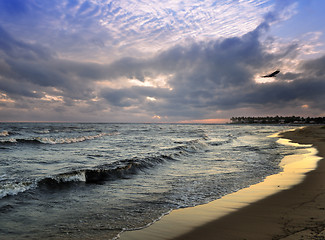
x=160 y=60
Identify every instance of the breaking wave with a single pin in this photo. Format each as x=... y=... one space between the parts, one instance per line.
x=192 y=146
x=4 y=133
x=51 y=140
x=97 y=175
x=13 y=188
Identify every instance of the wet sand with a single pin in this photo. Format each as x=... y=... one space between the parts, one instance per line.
x=296 y=213
x=291 y=210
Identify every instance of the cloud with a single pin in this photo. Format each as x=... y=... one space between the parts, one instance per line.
x=207 y=78
x=31 y=70
x=18 y=49
x=219 y=75
x=108 y=30
x=307 y=85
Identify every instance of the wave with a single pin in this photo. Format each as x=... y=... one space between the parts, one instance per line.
x=192 y=146
x=218 y=143
x=13 y=188
x=45 y=131
x=97 y=175
x=4 y=133
x=121 y=169
x=51 y=140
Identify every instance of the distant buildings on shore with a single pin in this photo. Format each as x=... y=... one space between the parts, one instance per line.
x=278 y=120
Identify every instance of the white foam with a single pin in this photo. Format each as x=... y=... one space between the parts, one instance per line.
x=13 y=188
x=52 y=140
x=4 y=133
x=42 y=131
x=195 y=146
x=77 y=177
x=12 y=140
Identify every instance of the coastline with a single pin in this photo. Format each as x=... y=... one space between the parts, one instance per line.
x=261 y=211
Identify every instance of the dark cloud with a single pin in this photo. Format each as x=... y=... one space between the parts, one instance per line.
x=134 y=96
x=33 y=78
x=315 y=67
x=19 y=50
x=219 y=75
x=290 y=89
x=202 y=78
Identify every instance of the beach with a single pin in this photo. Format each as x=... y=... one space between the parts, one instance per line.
x=296 y=212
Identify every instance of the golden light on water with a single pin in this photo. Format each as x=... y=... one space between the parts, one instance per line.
x=294 y=169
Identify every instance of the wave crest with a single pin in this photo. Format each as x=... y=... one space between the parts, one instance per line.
x=192 y=146
x=13 y=188
x=4 y=133
x=99 y=174
x=52 y=140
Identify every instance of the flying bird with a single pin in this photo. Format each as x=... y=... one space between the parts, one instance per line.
x=271 y=74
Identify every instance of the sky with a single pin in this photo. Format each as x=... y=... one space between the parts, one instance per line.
x=189 y=61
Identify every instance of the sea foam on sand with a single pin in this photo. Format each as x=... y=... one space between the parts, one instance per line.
x=180 y=223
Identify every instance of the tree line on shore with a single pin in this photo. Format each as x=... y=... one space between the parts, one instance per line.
x=278 y=120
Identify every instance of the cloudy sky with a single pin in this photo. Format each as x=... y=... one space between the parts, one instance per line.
x=160 y=60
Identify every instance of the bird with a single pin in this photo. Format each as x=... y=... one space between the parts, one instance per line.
x=271 y=74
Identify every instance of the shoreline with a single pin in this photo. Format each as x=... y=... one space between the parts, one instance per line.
x=274 y=209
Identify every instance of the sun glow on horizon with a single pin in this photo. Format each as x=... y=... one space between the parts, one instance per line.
x=206 y=121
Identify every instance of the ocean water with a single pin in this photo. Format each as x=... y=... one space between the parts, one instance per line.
x=92 y=181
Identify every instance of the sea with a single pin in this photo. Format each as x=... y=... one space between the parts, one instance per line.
x=96 y=180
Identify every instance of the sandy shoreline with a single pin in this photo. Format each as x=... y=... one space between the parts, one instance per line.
x=294 y=213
